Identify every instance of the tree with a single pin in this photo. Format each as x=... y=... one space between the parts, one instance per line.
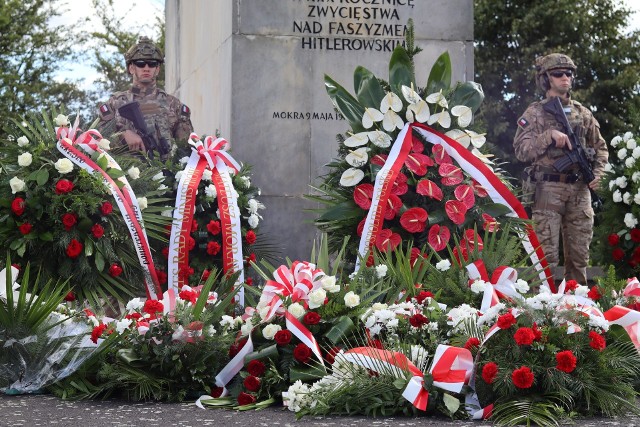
x=509 y=36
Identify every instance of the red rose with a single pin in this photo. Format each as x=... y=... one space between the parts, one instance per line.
x=69 y=220
x=213 y=248
x=70 y=296
x=614 y=239
x=570 y=285
x=302 y=353
x=236 y=347
x=74 y=249
x=97 y=332
x=311 y=318
x=115 y=270
x=566 y=361
x=106 y=208
x=152 y=307
x=250 y=237
x=97 y=230
x=330 y=357
x=213 y=227
x=524 y=336
x=17 y=206
x=25 y=228
x=282 y=337
x=162 y=277
x=617 y=254
x=506 y=321
x=246 y=399
x=594 y=293
x=256 y=368
x=64 y=186
x=252 y=383
x=489 y=372
x=471 y=343
x=597 y=341
x=217 y=392
x=423 y=295
x=522 y=378
x=635 y=235
x=418 y=320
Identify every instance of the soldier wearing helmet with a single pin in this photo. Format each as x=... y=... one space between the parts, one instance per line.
x=167 y=119
x=562 y=201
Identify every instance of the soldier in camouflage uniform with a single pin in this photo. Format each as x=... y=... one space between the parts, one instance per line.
x=562 y=202
x=166 y=117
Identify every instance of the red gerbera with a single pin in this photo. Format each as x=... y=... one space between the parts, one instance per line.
x=456 y=211
x=414 y=220
x=362 y=195
x=387 y=240
x=430 y=189
x=464 y=193
x=524 y=336
x=489 y=372
x=566 y=361
x=439 y=237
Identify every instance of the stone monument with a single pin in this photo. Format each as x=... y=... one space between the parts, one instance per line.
x=253 y=70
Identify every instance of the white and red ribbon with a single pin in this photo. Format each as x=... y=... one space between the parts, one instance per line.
x=627 y=318
x=125 y=198
x=632 y=289
x=502 y=283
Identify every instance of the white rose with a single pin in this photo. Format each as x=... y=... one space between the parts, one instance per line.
x=443 y=265
x=123 y=325
x=253 y=220
x=246 y=328
x=629 y=162
x=143 y=203
x=61 y=120
x=626 y=198
x=622 y=153
x=210 y=191
x=617 y=196
x=63 y=166
x=206 y=175
x=316 y=298
x=351 y=299
x=297 y=310
x=134 y=304
x=104 y=144
x=621 y=181
x=381 y=270
x=25 y=159
x=615 y=141
x=23 y=141
x=630 y=220
x=478 y=286
x=329 y=284
x=158 y=177
x=16 y=184
x=270 y=330
x=133 y=172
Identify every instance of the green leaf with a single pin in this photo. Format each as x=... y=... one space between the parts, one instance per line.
x=440 y=75
x=47 y=236
x=42 y=177
x=367 y=87
x=400 y=383
x=469 y=94
x=99 y=260
x=306 y=374
x=88 y=247
x=128 y=355
x=400 y=70
x=341 y=211
x=102 y=162
x=21 y=250
x=348 y=106
x=115 y=173
x=496 y=209
x=452 y=403
x=268 y=352
x=342 y=327
x=85 y=225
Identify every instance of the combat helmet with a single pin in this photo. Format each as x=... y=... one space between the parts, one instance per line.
x=550 y=62
x=144 y=49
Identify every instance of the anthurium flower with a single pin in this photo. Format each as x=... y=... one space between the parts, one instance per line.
x=391 y=101
x=379 y=138
x=392 y=121
x=418 y=109
x=477 y=139
x=418 y=163
x=351 y=177
x=451 y=174
x=379 y=159
x=429 y=188
x=357 y=139
x=440 y=155
x=461 y=137
x=490 y=224
x=357 y=157
x=400 y=185
x=479 y=189
x=387 y=240
x=464 y=115
x=414 y=220
x=362 y=195
x=417 y=146
x=439 y=236
x=442 y=118
x=371 y=116
x=438 y=98
x=464 y=193
x=456 y=211
x=483 y=157
x=393 y=207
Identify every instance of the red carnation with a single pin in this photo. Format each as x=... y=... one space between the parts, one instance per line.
x=190 y=296
x=69 y=220
x=248 y=281
x=162 y=277
x=213 y=248
x=106 y=208
x=506 y=321
x=191 y=243
x=256 y=368
x=25 y=228
x=524 y=336
x=489 y=372
x=152 y=307
x=64 y=186
x=614 y=239
x=418 y=320
x=617 y=254
x=566 y=361
x=250 y=237
x=635 y=235
x=302 y=353
x=97 y=230
x=185 y=272
x=471 y=343
x=206 y=274
x=522 y=378
x=570 y=285
x=17 y=206
x=97 y=332
x=115 y=270
x=214 y=227
x=252 y=383
x=311 y=318
x=74 y=249
x=282 y=337
x=594 y=293
x=70 y=296
x=597 y=341
x=422 y=296
x=536 y=332
x=246 y=399
x=251 y=258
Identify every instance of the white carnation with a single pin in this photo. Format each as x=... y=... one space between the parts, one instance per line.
x=206 y=175
x=351 y=299
x=443 y=265
x=16 y=185
x=270 y=331
x=617 y=196
x=142 y=202
x=134 y=172
x=123 y=325
x=210 y=191
x=246 y=181
x=104 y=144
x=630 y=220
x=63 y=166
x=622 y=153
x=253 y=220
x=22 y=141
x=134 y=304
x=599 y=322
x=25 y=159
x=478 y=286
x=253 y=205
x=316 y=298
x=381 y=270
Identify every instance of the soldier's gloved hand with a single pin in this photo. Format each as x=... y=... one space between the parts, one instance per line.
x=561 y=139
x=134 y=141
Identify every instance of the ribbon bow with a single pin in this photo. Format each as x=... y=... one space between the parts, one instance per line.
x=632 y=289
x=501 y=285
x=451 y=369
x=212 y=149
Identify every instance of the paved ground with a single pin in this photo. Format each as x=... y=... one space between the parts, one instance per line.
x=39 y=410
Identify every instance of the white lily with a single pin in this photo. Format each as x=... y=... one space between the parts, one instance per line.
x=357 y=139
x=379 y=138
x=351 y=177
x=391 y=101
x=392 y=121
x=371 y=115
x=358 y=158
x=464 y=115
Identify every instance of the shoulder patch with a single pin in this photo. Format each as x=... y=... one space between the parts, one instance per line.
x=523 y=123
x=105 y=112
x=185 y=110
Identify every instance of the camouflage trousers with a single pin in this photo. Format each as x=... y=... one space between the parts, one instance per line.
x=562 y=208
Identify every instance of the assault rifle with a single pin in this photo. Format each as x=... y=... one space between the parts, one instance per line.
x=575 y=156
x=131 y=111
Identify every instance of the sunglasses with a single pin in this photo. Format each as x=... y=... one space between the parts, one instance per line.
x=150 y=64
x=559 y=73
